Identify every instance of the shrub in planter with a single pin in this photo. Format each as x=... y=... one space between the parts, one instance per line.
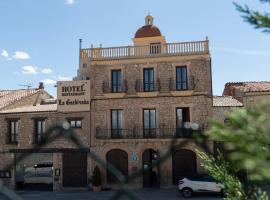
x=96 y=180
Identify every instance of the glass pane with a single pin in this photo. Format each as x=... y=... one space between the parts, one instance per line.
x=43 y=126
x=12 y=127
x=151 y=75
x=146 y=118
x=120 y=119
x=79 y=124
x=114 y=119
x=72 y=124
x=39 y=128
x=119 y=77
x=184 y=74
x=179 y=118
x=145 y=75
x=16 y=127
x=153 y=119
x=184 y=78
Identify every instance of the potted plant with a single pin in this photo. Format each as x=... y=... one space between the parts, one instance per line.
x=96 y=180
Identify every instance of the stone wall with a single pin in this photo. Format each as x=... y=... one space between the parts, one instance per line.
x=27 y=128
x=198 y=68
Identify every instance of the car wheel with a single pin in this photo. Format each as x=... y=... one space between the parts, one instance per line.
x=187 y=192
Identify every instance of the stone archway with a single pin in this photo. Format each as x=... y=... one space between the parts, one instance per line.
x=184 y=163
x=119 y=159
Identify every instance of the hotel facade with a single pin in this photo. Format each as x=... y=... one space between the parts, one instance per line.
x=126 y=104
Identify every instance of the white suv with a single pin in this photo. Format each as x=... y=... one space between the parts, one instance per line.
x=199 y=183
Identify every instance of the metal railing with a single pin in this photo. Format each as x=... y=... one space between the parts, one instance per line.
x=175 y=85
x=63 y=130
x=142 y=86
x=143 y=133
x=109 y=87
x=154 y=86
x=168 y=49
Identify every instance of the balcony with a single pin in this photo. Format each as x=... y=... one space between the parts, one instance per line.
x=142 y=86
x=141 y=133
x=175 y=85
x=109 y=87
x=168 y=49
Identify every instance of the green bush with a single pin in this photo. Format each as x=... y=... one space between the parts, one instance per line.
x=96 y=178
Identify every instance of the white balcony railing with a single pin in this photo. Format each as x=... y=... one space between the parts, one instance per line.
x=168 y=49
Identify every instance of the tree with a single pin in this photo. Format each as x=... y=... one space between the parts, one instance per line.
x=255 y=18
x=233 y=188
x=247 y=142
x=247 y=139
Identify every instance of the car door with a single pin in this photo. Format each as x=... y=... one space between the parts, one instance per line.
x=199 y=184
x=211 y=184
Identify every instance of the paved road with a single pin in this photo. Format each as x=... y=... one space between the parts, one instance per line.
x=161 y=194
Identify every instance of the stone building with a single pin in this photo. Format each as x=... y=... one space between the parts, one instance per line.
x=127 y=104
x=248 y=92
x=141 y=96
x=25 y=115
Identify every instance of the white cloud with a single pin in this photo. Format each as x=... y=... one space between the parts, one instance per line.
x=33 y=70
x=48 y=81
x=20 y=55
x=64 y=78
x=30 y=70
x=46 y=71
x=4 y=54
x=70 y=2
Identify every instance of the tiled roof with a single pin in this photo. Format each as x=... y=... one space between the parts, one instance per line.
x=147 y=31
x=226 y=101
x=37 y=108
x=252 y=86
x=8 y=97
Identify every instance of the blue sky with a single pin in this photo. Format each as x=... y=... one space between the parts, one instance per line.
x=39 y=39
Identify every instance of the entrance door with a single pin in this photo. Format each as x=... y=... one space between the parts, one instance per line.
x=119 y=159
x=183 y=164
x=150 y=172
x=74 y=169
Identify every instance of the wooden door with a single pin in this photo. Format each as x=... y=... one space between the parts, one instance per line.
x=119 y=159
x=74 y=170
x=183 y=164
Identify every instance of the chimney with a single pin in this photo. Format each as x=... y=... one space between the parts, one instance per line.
x=41 y=86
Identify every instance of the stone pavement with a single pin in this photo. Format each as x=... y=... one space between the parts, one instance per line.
x=156 y=194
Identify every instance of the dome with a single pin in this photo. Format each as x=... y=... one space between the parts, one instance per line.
x=148 y=30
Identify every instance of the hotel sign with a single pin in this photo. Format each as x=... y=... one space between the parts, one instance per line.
x=73 y=95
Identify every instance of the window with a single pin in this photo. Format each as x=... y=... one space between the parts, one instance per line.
x=182 y=116
x=149 y=123
x=155 y=48
x=75 y=123
x=181 y=78
x=117 y=123
x=84 y=65
x=39 y=130
x=13 y=131
x=116 y=81
x=148 y=80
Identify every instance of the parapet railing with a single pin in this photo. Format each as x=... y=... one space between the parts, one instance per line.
x=168 y=49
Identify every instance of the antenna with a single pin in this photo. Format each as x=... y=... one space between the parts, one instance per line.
x=28 y=86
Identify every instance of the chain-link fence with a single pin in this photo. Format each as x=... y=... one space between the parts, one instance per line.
x=64 y=130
